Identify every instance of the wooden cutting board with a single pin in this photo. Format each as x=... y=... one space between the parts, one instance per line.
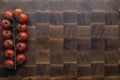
x=68 y=40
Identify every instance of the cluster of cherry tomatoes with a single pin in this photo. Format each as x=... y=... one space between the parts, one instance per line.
x=21 y=37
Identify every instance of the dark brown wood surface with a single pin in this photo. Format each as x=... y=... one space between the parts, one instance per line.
x=68 y=40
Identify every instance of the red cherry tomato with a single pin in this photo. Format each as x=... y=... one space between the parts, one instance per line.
x=21 y=27
x=22 y=36
x=21 y=47
x=20 y=58
x=6 y=34
x=8 y=43
x=6 y=24
x=9 y=53
x=23 y=18
x=9 y=63
x=8 y=15
x=17 y=11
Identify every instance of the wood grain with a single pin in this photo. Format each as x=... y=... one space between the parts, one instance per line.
x=68 y=40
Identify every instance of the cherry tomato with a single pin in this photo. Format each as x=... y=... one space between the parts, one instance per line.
x=22 y=36
x=6 y=24
x=23 y=18
x=21 y=47
x=21 y=27
x=9 y=63
x=9 y=53
x=8 y=15
x=8 y=43
x=6 y=34
x=17 y=11
x=20 y=58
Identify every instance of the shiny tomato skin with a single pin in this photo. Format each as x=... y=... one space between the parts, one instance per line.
x=8 y=15
x=21 y=27
x=21 y=47
x=9 y=53
x=17 y=11
x=8 y=43
x=7 y=34
x=9 y=63
x=23 y=18
x=20 y=58
x=22 y=36
x=5 y=24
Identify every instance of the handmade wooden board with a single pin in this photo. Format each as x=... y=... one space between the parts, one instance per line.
x=68 y=40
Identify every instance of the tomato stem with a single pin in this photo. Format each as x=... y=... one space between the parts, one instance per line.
x=14 y=21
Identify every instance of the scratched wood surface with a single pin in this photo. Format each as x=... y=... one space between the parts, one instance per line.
x=68 y=40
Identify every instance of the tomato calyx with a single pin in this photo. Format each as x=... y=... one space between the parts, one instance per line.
x=19 y=46
x=7 y=16
x=9 y=55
